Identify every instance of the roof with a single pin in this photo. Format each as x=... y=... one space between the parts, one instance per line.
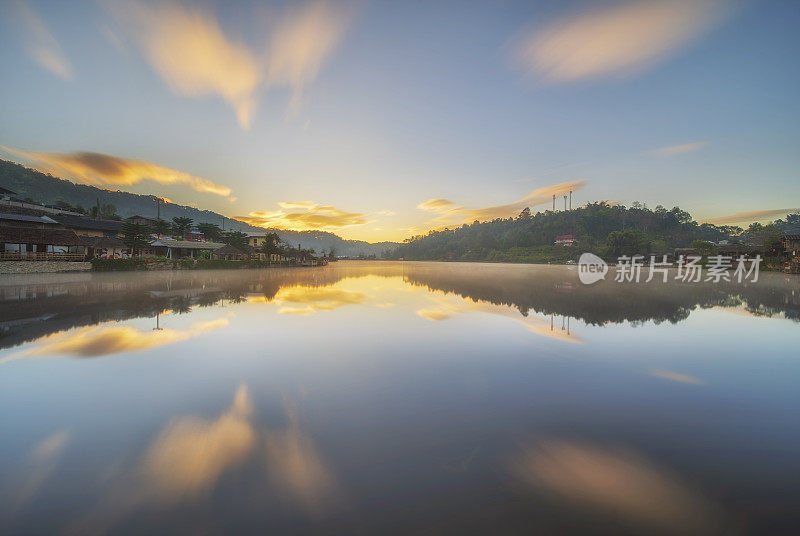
x=82 y=222
x=103 y=242
x=792 y=232
x=25 y=217
x=228 y=249
x=6 y=191
x=54 y=237
x=186 y=244
x=138 y=217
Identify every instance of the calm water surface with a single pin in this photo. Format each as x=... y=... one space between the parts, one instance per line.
x=397 y=398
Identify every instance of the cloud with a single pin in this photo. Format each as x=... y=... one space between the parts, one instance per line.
x=40 y=43
x=188 y=48
x=98 y=341
x=449 y=212
x=679 y=149
x=748 y=217
x=615 y=40
x=313 y=217
x=435 y=314
x=301 y=41
x=106 y=170
x=676 y=377
x=619 y=483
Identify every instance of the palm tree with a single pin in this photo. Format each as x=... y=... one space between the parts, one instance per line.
x=181 y=225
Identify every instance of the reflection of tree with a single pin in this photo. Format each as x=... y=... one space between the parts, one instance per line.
x=32 y=310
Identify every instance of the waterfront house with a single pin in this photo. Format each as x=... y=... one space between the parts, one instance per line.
x=142 y=220
x=85 y=226
x=228 y=253
x=30 y=235
x=105 y=247
x=179 y=249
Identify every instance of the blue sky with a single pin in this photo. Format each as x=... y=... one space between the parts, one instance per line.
x=351 y=116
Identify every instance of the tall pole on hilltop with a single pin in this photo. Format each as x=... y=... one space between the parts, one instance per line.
x=554 y=202
x=565 y=203
x=570 y=199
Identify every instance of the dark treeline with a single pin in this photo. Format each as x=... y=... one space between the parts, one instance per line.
x=605 y=229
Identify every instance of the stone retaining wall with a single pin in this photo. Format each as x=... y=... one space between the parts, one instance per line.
x=37 y=267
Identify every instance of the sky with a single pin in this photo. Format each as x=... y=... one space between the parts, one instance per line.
x=379 y=120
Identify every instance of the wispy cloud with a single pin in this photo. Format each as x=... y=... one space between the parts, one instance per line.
x=620 y=483
x=749 y=217
x=299 y=43
x=448 y=212
x=106 y=170
x=313 y=216
x=40 y=42
x=189 y=49
x=673 y=150
x=615 y=40
x=676 y=377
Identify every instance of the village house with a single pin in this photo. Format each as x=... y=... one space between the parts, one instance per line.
x=566 y=240
x=179 y=249
x=85 y=226
x=228 y=253
x=29 y=237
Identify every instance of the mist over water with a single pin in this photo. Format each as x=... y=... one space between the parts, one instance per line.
x=384 y=397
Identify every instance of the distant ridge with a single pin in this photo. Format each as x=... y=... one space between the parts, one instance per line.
x=47 y=189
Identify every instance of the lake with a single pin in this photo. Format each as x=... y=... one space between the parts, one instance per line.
x=380 y=397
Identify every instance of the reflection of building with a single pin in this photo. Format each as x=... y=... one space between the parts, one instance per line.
x=566 y=240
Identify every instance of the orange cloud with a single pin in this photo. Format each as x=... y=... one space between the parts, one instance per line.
x=41 y=45
x=316 y=299
x=749 y=217
x=98 y=341
x=680 y=149
x=614 y=40
x=106 y=170
x=450 y=213
x=313 y=217
x=188 y=48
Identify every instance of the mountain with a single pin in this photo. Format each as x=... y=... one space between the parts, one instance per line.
x=48 y=190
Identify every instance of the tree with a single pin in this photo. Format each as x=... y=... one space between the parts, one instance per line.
x=135 y=236
x=210 y=230
x=525 y=214
x=161 y=227
x=181 y=225
x=628 y=242
x=105 y=212
x=703 y=247
x=236 y=239
x=272 y=243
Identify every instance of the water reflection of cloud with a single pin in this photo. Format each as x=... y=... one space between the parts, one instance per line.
x=619 y=483
x=296 y=467
x=98 y=341
x=191 y=453
x=676 y=377
x=539 y=326
x=315 y=299
x=36 y=469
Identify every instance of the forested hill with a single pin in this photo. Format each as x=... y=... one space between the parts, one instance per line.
x=607 y=230
x=49 y=190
